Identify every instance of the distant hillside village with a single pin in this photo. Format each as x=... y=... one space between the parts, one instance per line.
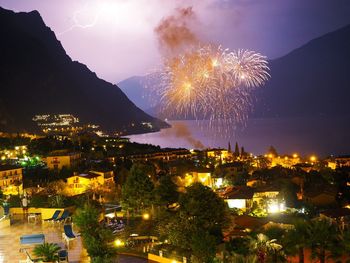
x=63 y=171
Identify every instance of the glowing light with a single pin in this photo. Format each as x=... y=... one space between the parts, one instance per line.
x=295 y=155
x=236 y=203
x=219 y=182
x=119 y=243
x=145 y=216
x=275 y=206
x=313 y=158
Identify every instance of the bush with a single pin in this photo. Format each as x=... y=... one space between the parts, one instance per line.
x=96 y=238
x=15 y=201
x=48 y=251
x=39 y=201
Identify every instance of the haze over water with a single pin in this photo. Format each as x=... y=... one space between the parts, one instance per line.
x=304 y=136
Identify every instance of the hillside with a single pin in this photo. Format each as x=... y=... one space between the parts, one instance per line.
x=38 y=77
x=312 y=80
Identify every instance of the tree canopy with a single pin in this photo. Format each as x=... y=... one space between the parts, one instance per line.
x=138 y=188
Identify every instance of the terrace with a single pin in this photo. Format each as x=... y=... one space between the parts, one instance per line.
x=10 y=239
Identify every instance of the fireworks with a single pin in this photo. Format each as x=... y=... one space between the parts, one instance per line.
x=211 y=83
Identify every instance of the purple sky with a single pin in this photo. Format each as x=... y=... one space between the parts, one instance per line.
x=115 y=38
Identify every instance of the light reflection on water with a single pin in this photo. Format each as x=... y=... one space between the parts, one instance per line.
x=322 y=136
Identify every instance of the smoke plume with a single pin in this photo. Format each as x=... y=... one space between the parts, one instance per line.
x=181 y=131
x=175 y=32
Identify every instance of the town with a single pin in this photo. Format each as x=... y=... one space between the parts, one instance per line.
x=104 y=196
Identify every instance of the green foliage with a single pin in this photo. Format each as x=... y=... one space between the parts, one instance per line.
x=324 y=235
x=39 y=200
x=296 y=239
x=166 y=192
x=138 y=189
x=96 y=238
x=43 y=146
x=57 y=201
x=14 y=201
x=203 y=246
x=197 y=224
x=202 y=206
x=239 y=245
x=48 y=251
x=267 y=250
x=275 y=232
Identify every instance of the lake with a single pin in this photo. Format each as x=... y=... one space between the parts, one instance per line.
x=321 y=136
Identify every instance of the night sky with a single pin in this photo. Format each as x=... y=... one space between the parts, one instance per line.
x=112 y=32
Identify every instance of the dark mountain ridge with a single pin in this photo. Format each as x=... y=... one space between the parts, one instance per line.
x=38 y=77
x=312 y=80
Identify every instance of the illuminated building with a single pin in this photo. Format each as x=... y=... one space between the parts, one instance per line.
x=285 y=161
x=220 y=155
x=239 y=197
x=165 y=155
x=62 y=124
x=339 y=161
x=55 y=120
x=80 y=183
x=58 y=160
x=11 y=179
x=202 y=176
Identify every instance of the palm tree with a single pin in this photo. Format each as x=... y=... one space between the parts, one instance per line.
x=324 y=235
x=265 y=247
x=48 y=251
x=297 y=239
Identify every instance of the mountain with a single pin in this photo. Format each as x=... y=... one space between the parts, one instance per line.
x=310 y=81
x=38 y=77
x=134 y=88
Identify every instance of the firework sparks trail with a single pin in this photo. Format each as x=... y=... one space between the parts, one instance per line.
x=212 y=83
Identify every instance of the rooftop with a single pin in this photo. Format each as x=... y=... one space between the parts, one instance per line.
x=6 y=167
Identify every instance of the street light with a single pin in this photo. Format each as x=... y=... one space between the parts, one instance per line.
x=313 y=158
x=145 y=216
x=118 y=243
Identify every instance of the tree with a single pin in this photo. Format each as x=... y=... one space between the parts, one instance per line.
x=200 y=204
x=138 y=189
x=236 y=153
x=200 y=218
x=96 y=238
x=166 y=192
x=324 y=235
x=265 y=247
x=243 y=153
x=238 y=246
x=297 y=239
x=203 y=246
